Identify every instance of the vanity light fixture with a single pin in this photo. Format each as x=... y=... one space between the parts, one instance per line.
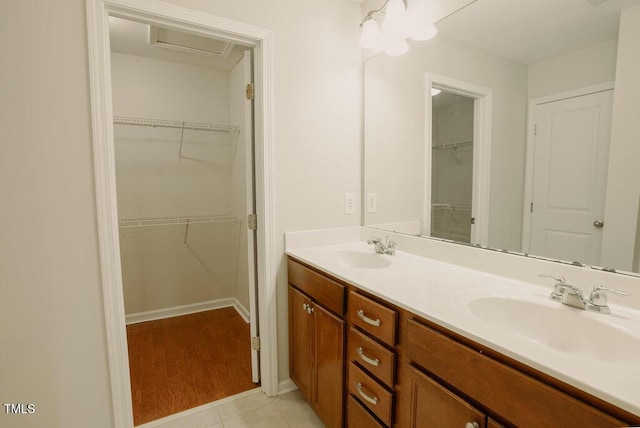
x=399 y=23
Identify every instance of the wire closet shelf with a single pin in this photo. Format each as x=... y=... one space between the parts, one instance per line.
x=160 y=123
x=170 y=221
x=173 y=221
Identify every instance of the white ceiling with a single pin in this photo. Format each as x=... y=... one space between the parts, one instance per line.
x=526 y=31
x=529 y=31
x=132 y=38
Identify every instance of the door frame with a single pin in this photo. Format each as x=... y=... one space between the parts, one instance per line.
x=205 y=24
x=482 y=116
x=529 y=167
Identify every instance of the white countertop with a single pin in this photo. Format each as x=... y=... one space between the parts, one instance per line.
x=441 y=292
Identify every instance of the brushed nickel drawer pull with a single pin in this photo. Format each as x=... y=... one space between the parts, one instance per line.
x=363 y=317
x=472 y=425
x=373 y=362
x=372 y=400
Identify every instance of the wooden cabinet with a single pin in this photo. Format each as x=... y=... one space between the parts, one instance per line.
x=516 y=397
x=358 y=417
x=300 y=341
x=399 y=370
x=316 y=344
x=372 y=358
x=432 y=406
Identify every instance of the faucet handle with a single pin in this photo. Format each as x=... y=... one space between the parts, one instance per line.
x=559 y=278
x=391 y=247
x=374 y=240
x=598 y=298
x=559 y=287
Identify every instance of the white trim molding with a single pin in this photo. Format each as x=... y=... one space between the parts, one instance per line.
x=481 y=152
x=530 y=150
x=192 y=308
x=167 y=15
x=286 y=385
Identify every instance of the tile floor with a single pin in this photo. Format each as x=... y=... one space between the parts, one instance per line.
x=253 y=410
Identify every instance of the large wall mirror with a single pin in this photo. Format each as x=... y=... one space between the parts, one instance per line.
x=511 y=129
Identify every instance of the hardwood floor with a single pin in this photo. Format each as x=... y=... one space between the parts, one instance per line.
x=183 y=362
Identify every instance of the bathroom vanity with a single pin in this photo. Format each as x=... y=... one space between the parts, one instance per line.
x=389 y=341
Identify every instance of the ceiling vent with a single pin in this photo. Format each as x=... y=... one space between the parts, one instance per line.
x=171 y=39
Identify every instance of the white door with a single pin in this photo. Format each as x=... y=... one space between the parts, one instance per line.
x=569 y=179
x=251 y=209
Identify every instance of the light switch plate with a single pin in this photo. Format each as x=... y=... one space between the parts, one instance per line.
x=372 y=202
x=349 y=203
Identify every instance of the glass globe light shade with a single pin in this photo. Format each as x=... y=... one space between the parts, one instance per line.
x=395 y=21
x=397 y=48
x=370 y=37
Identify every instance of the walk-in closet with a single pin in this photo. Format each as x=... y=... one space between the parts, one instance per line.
x=452 y=166
x=182 y=136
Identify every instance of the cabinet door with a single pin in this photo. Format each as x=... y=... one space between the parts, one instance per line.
x=329 y=366
x=300 y=341
x=494 y=424
x=434 y=406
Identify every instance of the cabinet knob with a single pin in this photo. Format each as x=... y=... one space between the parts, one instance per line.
x=310 y=310
x=305 y=306
x=472 y=425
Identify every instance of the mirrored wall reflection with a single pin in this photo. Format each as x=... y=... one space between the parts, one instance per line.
x=530 y=55
x=451 y=166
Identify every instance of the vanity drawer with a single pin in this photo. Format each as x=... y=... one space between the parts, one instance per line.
x=372 y=317
x=372 y=356
x=323 y=290
x=359 y=417
x=371 y=394
x=517 y=397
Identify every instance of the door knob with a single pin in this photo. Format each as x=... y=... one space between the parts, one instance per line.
x=598 y=223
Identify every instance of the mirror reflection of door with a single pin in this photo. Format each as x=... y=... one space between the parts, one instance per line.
x=569 y=179
x=452 y=166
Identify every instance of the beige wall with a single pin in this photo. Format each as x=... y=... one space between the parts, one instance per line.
x=53 y=349
x=237 y=102
x=158 y=270
x=623 y=184
x=394 y=130
x=579 y=69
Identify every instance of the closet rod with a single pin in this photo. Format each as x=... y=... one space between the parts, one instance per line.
x=170 y=221
x=159 y=123
x=452 y=206
x=453 y=145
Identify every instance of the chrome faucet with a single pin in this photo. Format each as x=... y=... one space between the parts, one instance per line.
x=386 y=247
x=571 y=295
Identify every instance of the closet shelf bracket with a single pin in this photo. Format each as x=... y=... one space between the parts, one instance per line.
x=186 y=233
x=180 y=153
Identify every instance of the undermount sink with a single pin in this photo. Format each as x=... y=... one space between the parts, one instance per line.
x=360 y=259
x=561 y=328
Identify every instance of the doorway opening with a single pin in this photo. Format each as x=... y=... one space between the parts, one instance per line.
x=457 y=160
x=183 y=139
x=193 y=23
x=451 y=166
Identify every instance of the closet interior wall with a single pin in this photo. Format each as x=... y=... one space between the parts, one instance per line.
x=452 y=167
x=170 y=263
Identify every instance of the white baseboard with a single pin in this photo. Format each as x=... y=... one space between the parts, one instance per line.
x=285 y=386
x=242 y=311
x=192 y=308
